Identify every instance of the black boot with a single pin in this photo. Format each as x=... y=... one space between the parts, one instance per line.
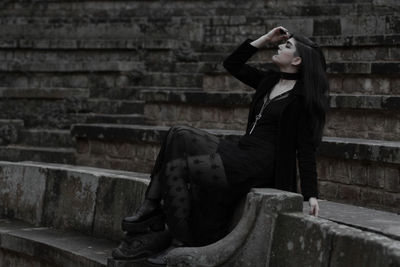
x=148 y=215
x=138 y=247
x=160 y=258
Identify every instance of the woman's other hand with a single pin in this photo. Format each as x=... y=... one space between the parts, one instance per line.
x=273 y=36
x=314 y=208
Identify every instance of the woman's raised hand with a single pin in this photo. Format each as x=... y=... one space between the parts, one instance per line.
x=275 y=35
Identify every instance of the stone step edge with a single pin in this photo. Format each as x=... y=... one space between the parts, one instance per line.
x=15 y=122
x=68 y=66
x=66 y=247
x=376 y=67
x=224 y=98
x=46 y=93
x=201 y=68
x=361 y=217
x=40 y=148
x=124 y=3
x=336 y=147
x=168 y=44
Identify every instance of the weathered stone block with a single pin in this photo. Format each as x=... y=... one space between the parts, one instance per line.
x=22 y=192
x=70 y=200
x=327 y=190
x=376 y=176
x=296 y=236
x=371 y=197
x=348 y=193
x=392 y=179
x=353 y=247
x=116 y=199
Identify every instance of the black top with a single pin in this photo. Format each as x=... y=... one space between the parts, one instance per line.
x=251 y=159
x=296 y=145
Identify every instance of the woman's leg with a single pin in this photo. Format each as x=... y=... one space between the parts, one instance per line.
x=187 y=158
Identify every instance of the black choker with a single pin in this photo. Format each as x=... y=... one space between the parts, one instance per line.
x=290 y=76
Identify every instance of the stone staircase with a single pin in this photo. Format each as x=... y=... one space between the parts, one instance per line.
x=99 y=83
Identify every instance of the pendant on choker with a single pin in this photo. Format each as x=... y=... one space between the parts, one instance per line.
x=290 y=76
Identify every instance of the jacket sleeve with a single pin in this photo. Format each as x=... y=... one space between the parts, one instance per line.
x=306 y=156
x=235 y=65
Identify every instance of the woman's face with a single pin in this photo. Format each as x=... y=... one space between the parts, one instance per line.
x=285 y=55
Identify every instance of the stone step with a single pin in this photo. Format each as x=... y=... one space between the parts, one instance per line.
x=62 y=248
x=358 y=171
x=110 y=118
x=127 y=10
x=96 y=80
x=46 y=138
x=197 y=26
x=265 y=15
x=379 y=67
x=338 y=67
x=43 y=92
x=33 y=153
x=113 y=106
x=350 y=115
x=371 y=220
x=332 y=54
x=159 y=44
x=51 y=112
x=350 y=148
x=41 y=113
x=91 y=44
x=131 y=92
x=382 y=84
x=69 y=66
x=115 y=6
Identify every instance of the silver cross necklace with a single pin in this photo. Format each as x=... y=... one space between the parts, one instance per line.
x=266 y=102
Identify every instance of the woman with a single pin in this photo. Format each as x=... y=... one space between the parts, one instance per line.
x=198 y=177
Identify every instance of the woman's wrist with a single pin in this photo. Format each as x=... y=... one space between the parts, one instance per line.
x=260 y=42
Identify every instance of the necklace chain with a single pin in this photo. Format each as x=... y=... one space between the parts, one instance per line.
x=266 y=102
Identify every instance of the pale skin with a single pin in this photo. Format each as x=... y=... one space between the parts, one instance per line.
x=287 y=62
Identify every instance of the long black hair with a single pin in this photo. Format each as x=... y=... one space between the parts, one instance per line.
x=316 y=85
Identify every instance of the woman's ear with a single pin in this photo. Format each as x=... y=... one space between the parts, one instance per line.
x=296 y=61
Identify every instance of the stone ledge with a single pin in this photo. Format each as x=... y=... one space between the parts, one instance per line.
x=42 y=244
x=134 y=133
x=87 y=200
x=73 y=44
x=223 y=98
x=67 y=66
x=270 y=228
x=366 y=219
x=17 y=152
x=47 y=93
x=346 y=148
x=272 y=10
x=167 y=44
x=386 y=68
x=45 y=137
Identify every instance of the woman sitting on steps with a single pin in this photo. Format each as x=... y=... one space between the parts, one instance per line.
x=198 y=178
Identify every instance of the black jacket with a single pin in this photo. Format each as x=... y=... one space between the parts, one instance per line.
x=294 y=134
